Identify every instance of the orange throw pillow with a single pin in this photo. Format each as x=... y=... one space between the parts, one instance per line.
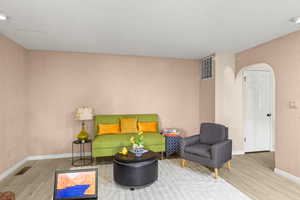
x=129 y=125
x=148 y=126
x=108 y=129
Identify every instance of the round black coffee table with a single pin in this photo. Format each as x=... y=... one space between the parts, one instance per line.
x=133 y=171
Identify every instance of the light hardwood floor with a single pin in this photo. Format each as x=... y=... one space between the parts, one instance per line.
x=251 y=173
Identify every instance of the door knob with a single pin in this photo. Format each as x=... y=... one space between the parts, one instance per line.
x=269 y=115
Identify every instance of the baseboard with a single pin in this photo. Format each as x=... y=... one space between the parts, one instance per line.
x=272 y=150
x=238 y=153
x=12 y=169
x=287 y=175
x=55 y=156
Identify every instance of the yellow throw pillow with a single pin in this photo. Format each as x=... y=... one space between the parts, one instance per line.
x=148 y=126
x=108 y=129
x=129 y=125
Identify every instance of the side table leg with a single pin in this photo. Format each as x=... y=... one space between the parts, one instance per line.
x=80 y=157
x=83 y=153
x=91 y=152
x=73 y=154
x=94 y=160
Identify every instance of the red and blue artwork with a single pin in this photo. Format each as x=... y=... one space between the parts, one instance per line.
x=75 y=184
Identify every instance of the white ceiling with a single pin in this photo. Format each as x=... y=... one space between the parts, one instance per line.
x=166 y=28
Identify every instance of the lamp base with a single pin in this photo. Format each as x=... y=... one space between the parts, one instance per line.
x=83 y=135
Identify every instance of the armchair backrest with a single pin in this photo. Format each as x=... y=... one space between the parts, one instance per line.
x=211 y=133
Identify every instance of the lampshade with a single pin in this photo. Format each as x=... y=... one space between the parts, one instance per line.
x=84 y=113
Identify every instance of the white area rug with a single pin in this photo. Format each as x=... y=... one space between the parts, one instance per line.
x=174 y=183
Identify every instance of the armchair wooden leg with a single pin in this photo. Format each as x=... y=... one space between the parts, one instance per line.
x=229 y=164
x=216 y=173
x=183 y=163
x=162 y=155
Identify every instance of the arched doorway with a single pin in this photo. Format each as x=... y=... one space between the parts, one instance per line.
x=258 y=97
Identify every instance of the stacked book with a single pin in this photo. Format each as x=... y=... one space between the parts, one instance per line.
x=170 y=132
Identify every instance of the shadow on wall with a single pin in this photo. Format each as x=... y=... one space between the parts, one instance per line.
x=230 y=105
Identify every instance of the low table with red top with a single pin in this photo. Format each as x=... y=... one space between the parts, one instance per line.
x=172 y=143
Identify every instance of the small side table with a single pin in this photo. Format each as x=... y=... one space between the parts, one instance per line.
x=172 y=144
x=83 y=158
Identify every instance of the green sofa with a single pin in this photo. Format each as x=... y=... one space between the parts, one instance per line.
x=110 y=144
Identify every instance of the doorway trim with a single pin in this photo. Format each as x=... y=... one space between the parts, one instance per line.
x=261 y=67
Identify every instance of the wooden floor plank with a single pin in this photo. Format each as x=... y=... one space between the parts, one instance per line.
x=252 y=174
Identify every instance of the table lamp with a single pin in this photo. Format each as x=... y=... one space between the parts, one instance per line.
x=83 y=114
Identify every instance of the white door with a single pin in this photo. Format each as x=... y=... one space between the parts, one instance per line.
x=258 y=106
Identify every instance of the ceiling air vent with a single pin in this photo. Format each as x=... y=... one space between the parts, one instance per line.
x=207 y=64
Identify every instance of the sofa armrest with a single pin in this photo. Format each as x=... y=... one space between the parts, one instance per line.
x=187 y=142
x=222 y=151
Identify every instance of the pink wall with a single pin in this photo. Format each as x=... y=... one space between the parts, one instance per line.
x=12 y=103
x=40 y=91
x=60 y=81
x=283 y=55
x=207 y=100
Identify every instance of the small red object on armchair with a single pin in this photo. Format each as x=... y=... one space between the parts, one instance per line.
x=7 y=196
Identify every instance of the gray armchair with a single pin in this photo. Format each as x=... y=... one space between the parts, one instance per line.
x=211 y=147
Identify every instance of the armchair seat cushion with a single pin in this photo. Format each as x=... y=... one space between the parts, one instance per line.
x=203 y=150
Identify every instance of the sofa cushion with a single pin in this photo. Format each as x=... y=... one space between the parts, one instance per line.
x=148 y=127
x=129 y=125
x=109 y=129
x=199 y=149
x=112 y=119
x=121 y=140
